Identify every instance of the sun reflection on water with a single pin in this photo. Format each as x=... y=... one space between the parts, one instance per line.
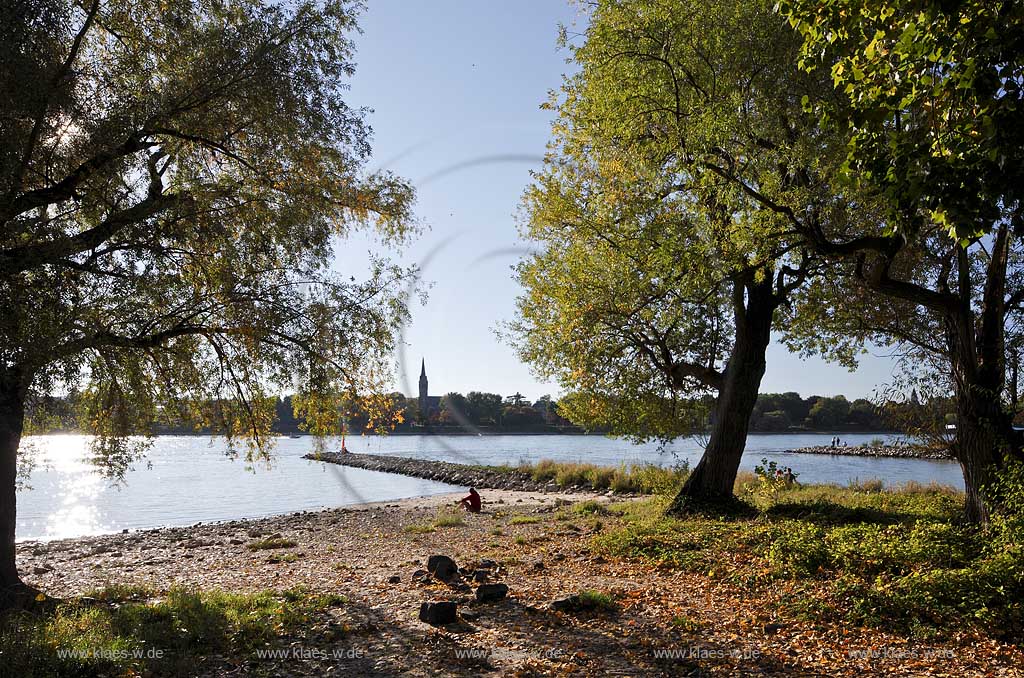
x=65 y=474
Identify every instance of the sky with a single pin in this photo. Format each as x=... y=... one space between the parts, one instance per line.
x=456 y=88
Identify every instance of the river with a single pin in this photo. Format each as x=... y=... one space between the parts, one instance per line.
x=189 y=479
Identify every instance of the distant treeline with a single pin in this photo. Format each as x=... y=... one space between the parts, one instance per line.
x=492 y=413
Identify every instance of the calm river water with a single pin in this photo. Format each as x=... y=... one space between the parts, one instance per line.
x=188 y=479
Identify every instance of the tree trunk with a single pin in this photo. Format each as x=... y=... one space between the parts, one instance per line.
x=12 y=416
x=977 y=348
x=713 y=478
x=982 y=442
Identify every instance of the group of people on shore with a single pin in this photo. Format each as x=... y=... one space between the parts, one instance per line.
x=836 y=442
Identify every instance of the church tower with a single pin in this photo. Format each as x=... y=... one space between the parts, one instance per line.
x=423 y=389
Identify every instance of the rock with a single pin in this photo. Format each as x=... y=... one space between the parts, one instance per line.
x=442 y=567
x=41 y=569
x=438 y=613
x=124 y=531
x=772 y=629
x=470 y=616
x=538 y=565
x=236 y=541
x=394 y=579
x=420 y=574
x=489 y=593
x=566 y=604
x=487 y=565
x=480 y=575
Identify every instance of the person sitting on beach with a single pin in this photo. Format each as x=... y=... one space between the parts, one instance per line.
x=471 y=501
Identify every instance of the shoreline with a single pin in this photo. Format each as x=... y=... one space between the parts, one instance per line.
x=374 y=559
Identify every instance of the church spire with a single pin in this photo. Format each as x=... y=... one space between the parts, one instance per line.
x=424 y=398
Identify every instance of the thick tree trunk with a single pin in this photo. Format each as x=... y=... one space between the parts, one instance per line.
x=12 y=416
x=982 y=441
x=977 y=348
x=713 y=478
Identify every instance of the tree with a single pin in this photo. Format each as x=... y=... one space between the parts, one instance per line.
x=455 y=409
x=829 y=413
x=663 y=267
x=484 y=408
x=173 y=176
x=516 y=399
x=929 y=95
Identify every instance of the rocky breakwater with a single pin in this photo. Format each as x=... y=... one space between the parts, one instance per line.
x=895 y=451
x=489 y=477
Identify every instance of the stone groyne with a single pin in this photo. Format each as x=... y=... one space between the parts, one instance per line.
x=891 y=451
x=489 y=477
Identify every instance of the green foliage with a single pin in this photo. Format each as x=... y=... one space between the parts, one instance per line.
x=630 y=301
x=772 y=478
x=190 y=627
x=929 y=94
x=897 y=558
x=174 y=182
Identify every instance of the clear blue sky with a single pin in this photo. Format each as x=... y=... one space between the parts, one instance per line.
x=456 y=88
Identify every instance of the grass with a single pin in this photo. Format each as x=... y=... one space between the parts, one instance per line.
x=448 y=517
x=864 y=555
x=418 y=528
x=524 y=520
x=109 y=631
x=271 y=543
x=640 y=479
x=597 y=600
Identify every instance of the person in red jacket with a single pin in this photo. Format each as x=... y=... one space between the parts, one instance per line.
x=471 y=501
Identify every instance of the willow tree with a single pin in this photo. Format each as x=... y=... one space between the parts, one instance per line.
x=173 y=178
x=664 y=263
x=930 y=96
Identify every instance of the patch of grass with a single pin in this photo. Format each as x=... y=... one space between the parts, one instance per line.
x=524 y=520
x=892 y=557
x=448 y=517
x=418 y=528
x=497 y=532
x=283 y=558
x=102 y=634
x=519 y=540
x=271 y=543
x=590 y=507
x=683 y=623
x=640 y=479
x=600 y=601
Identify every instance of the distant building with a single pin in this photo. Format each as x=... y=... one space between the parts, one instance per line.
x=428 y=404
